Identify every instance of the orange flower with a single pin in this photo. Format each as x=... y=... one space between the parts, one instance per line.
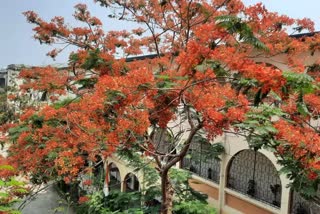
x=83 y=199
x=87 y=182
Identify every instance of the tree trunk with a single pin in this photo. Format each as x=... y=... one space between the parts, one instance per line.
x=167 y=193
x=166 y=186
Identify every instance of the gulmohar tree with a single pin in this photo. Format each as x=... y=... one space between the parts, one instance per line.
x=203 y=79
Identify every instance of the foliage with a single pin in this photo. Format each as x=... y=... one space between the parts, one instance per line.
x=184 y=193
x=123 y=202
x=193 y=207
x=115 y=202
x=10 y=189
x=139 y=163
x=208 y=151
x=260 y=129
x=3 y=107
x=234 y=25
x=285 y=131
x=205 y=76
x=99 y=177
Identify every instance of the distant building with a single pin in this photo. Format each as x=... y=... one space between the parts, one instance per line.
x=3 y=78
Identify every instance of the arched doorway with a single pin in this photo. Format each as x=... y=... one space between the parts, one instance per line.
x=253 y=174
x=131 y=183
x=99 y=173
x=114 y=177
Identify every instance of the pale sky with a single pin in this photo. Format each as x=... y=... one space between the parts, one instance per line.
x=18 y=47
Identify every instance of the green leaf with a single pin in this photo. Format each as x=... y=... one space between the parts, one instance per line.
x=202 y=68
x=6 y=167
x=15 y=132
x=21 y=190
x=144 y=86
x=114 y=97
x=87 y=82
x=302 y=108
x=64 y=102
x=14 y=182
x=3 y=195
x=52 y=155
x=164 y=77
x=73 y=58
x=93 y=60
x=300 y=82
x=234 y=25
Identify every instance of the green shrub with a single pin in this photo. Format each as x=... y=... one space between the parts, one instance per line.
x=193 y=207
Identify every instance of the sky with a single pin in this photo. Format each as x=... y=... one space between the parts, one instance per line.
x=16 y=37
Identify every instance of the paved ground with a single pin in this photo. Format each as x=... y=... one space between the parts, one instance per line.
x=47 y=201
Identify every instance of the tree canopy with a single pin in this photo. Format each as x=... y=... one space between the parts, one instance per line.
x=206 y=75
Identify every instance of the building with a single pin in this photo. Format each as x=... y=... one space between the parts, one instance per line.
x=244 y=181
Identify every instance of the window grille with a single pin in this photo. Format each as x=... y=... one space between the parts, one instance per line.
x=200 y=161
x=300 y=205
x=253 y=174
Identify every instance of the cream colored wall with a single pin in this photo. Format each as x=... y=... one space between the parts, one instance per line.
x=280 y=61
x=124 y=170
x=233 y=144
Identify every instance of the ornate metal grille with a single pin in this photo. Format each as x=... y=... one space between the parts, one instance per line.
x=199 y=161
x=300 y=205
x=253 y=174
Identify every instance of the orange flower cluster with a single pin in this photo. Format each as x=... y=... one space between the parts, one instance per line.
x=210 y=67
x=304 y=144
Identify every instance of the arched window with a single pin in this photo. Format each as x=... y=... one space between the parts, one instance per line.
x=131 y=183
x=300 y=205
x=114 y=177
x=201 y=162
x=253 y=174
